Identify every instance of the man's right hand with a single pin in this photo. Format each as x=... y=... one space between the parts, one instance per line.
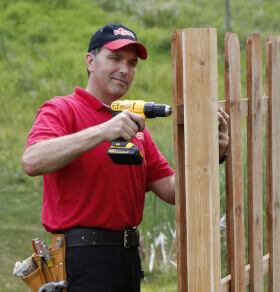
x=125 y=125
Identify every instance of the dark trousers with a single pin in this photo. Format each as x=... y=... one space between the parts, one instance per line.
x=103 y=269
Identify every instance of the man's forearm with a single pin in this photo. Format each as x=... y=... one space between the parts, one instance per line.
x=50 y=155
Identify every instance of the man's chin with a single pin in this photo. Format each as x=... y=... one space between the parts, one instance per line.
x=119 y=93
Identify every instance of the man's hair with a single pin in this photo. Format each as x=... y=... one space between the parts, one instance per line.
x=94 y=52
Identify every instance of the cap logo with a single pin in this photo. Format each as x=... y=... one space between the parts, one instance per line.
x=123 y=31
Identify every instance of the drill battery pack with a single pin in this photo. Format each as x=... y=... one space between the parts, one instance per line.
x=123 y=152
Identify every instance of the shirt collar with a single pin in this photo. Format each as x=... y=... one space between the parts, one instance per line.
x=94 y=102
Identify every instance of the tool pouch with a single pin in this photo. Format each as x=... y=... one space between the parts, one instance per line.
x=37 y=279
x=45 y=274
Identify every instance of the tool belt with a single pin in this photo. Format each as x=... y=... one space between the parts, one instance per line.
x=96 y=236
x=56 y=272
x=44 y=273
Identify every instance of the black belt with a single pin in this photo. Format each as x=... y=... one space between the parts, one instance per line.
x=97 y=236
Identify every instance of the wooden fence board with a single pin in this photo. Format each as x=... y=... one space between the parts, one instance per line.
x=273 y=160
x=226 y=281
x=201 y=156
x=234 y=166
x=179 y=159
x=254 y=153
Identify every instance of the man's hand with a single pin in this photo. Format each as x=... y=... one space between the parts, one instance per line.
x=223 y=132
x=125 y=125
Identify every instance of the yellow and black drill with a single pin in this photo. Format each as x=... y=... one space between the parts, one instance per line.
x=123 y=152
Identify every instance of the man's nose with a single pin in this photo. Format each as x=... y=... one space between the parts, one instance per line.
x=124 y=67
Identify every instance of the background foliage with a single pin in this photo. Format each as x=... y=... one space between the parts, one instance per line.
x=42 y=54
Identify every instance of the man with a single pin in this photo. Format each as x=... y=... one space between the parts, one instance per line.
x=86 y=196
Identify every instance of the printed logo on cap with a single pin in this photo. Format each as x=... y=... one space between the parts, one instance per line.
x=123 y=31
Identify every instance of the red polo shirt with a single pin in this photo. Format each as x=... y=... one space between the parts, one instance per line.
x=92 y=191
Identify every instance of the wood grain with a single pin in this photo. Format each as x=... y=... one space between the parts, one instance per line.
x=234 y=166
x=200 y=89
x=179 y=159
x=273 y=160
x=254 y=153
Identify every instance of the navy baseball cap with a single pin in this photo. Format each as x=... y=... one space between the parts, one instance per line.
x=114 y=37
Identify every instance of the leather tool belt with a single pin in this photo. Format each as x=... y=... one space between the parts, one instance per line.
x=96 y=236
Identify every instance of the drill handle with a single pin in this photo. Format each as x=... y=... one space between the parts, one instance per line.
x=114 y=113
x=119 y=142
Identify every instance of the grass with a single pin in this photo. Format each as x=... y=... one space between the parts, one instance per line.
x=164 y=280
x=20 y=222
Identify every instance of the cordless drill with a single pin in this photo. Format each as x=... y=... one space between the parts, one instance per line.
x=123 y=152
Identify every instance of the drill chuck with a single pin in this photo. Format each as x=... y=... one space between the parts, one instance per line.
x=153 y=110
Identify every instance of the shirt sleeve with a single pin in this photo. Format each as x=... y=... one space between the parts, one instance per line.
x=157 y=165
x=52 y=121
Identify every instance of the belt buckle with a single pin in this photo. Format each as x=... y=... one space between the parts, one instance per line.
x=125 y=241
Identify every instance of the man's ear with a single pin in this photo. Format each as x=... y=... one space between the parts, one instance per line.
x=90 y=61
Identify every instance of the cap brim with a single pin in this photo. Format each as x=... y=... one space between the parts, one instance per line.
x=118 y=44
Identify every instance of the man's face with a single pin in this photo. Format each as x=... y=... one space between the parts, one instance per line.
x=113 y=72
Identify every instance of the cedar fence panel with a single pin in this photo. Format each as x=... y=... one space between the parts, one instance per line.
x=234 y=167
x=254 y=153
x=273 y=161
x=194 y=65
x=179 y=157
